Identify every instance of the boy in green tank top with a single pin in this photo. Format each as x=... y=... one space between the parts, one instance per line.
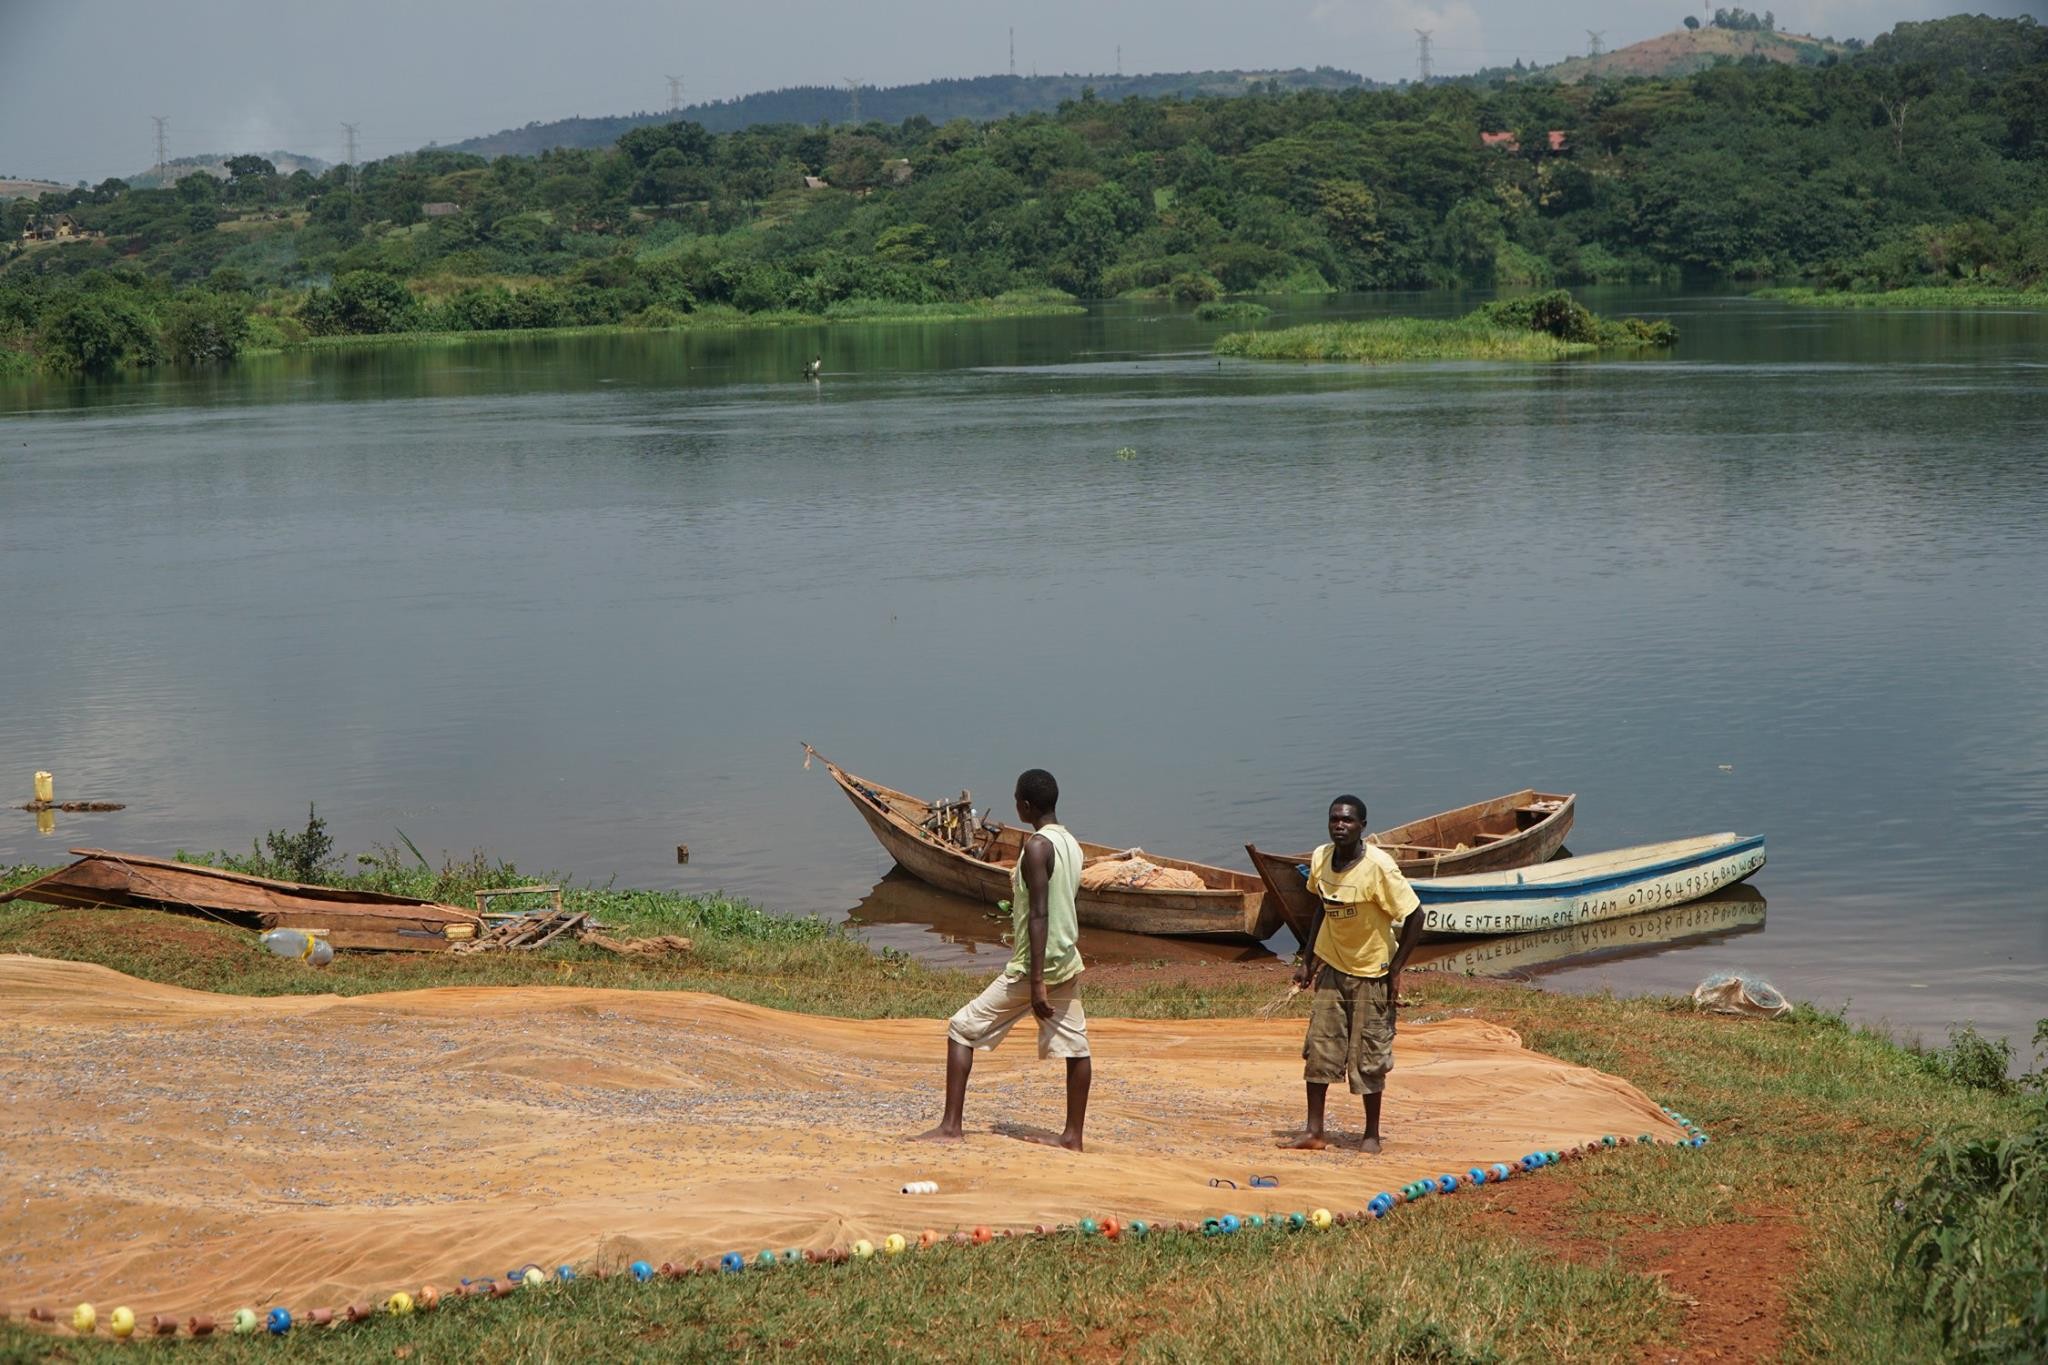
x=1042 y=979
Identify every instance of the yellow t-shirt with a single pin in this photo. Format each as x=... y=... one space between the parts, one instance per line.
x=1361 y=906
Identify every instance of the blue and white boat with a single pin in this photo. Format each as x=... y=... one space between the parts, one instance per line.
x=1597 y=886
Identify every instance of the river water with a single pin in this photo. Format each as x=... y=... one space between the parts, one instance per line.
x=576 y=601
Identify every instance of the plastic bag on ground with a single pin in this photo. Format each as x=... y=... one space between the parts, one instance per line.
x=1734 y=993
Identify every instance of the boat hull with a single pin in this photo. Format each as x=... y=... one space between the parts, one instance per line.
x=1516 y=830
x=1625 y=882
x=1549 y=895
x=1240 y=909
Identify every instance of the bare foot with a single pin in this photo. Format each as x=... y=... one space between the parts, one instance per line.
x=939 y=1134
x=1369 y=1145
x=1070 y=1141
x=1307 y=1142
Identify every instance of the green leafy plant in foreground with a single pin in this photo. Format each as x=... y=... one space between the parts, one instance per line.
x=1972 y=1233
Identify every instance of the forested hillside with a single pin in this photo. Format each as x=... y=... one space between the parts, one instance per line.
x=978 y=98
x=1921 y=160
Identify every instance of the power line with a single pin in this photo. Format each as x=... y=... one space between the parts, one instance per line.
x=853 y=97
x=1013 y=51
x=1593 y=48
x=675 y=95
x=160 y=120
x=1422 y=37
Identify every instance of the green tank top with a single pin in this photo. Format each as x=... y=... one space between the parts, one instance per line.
x=1062 y=921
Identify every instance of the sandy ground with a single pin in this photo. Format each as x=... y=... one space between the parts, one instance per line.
x=181 y=1152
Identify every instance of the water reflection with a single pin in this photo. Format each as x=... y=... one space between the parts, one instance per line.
x=1715 y=919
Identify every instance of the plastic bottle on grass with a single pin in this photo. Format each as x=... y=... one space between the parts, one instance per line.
x=300 y=944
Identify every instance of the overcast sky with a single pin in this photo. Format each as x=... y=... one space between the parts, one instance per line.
x=83 y=77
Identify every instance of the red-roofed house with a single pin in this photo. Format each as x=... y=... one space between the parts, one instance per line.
x=1507 y=142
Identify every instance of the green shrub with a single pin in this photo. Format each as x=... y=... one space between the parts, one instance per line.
x=1651 y=333
x=301 y=857
x=1193 y=288
x=1555 y=312
x=1973 y=1061
x=658 y=315
x=97 y=334
x=1972 y=1243
x=1239 y=310
x=205 y=329
x=1565 y=318
x=1298 y=279
x=362 y=303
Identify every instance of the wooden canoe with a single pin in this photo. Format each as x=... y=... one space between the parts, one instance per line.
x=1594 y=887
x=1231 y=905
x=352 y=919
x=1515 y=830
x=1566 y=891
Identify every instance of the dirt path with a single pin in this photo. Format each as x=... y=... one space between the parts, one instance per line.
x=1732 y=1279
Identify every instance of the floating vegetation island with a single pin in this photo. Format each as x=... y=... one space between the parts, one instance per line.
x=1537 y=327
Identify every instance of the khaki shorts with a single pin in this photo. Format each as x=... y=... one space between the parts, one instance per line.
x=985 y=1020
x=1350 y=1033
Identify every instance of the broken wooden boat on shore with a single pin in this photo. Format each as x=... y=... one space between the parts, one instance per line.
x=351 y=919
x=945 y=844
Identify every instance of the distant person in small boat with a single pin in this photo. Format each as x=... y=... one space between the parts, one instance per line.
x=815 y=368
x=1365 y=926
x=1043 y=978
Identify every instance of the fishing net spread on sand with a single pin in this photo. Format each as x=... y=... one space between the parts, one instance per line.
x=1132 y=871
x=181 y=1152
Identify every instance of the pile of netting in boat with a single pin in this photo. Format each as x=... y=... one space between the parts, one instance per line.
x=1131 y=870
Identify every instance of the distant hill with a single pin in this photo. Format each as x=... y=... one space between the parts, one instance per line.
x=29 y=189
x=1681 y=53
x=215 y=165
x=975 y=97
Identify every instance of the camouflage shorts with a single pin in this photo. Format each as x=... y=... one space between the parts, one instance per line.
x=1350 y=1032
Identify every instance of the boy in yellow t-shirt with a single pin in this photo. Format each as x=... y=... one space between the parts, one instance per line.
x=1364 y=929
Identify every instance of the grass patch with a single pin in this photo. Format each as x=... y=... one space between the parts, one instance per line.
x=1922 y=296
x=1232 y=310
x=1414 y=1289
x=1817 y=1127
x=1387 y=340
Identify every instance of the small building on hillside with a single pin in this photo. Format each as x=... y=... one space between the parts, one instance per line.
x=897 y=172
x=442 y=210
x=51 y=227
x=816 y=182
x=1506 y=141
